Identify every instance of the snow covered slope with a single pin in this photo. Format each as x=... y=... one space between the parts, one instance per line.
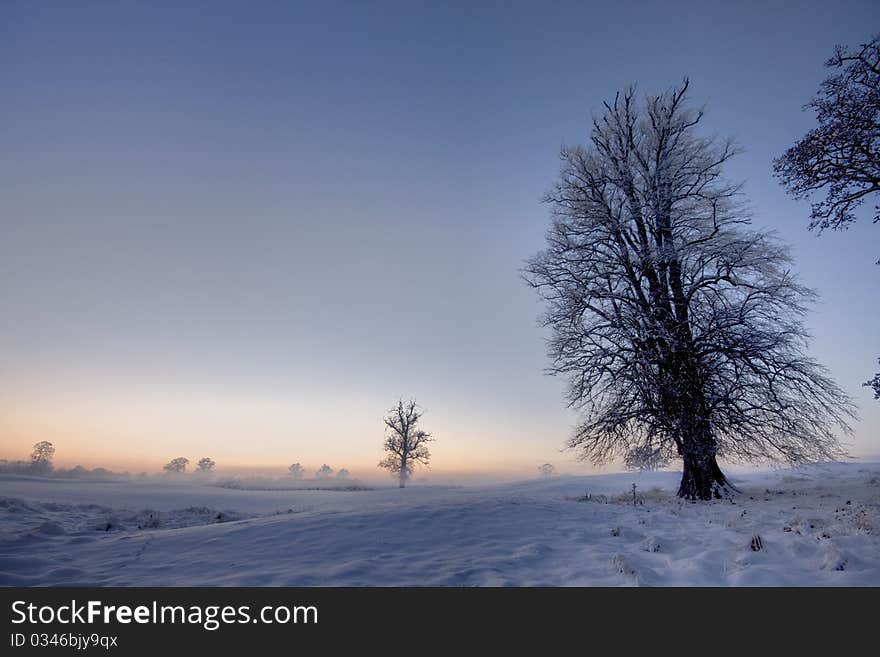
x=814 y=526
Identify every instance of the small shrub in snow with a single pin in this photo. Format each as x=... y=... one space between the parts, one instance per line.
x=622 y=566
x=150 y=521
x=630 y=497
x=834 y=560
x=589 y=497
x=651 y=544
x=110 y=524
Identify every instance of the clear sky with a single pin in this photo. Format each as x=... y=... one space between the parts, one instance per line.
x=243 y=230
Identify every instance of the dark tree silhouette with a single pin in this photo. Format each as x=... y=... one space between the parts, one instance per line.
x=176 y=465
x=323 y=472
x=841 y=156
x=41 y=457
x=205 y=465
x=296 y=471
x=405 y=444
x=645 y=459
x=874 y=383
x=678 y=327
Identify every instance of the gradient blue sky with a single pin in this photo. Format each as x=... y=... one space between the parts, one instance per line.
x=244 y=229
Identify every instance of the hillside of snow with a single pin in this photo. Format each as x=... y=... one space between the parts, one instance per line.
x=811 y=526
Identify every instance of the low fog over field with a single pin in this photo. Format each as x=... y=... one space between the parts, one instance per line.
x=812 y=526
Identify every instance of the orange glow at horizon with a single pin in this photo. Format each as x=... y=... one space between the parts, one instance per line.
x=140 y=430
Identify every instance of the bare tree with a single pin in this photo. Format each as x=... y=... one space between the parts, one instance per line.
x=874 y=383
x=841 y=156
x=176 y=465
x=205 y=465
x=41 y=457
x=323 y=472
x=547 y=470
x=296 y=471
x=343 y=474
x=645 y=459
x=405 y=444
x=678 y=327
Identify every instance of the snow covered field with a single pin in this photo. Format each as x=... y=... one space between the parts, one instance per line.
x=816 y=526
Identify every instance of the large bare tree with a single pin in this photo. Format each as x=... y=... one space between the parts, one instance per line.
x=405 y=443
x=841 y=155
x=677 y=325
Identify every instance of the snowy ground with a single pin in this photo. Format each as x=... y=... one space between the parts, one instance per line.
x=817 y=526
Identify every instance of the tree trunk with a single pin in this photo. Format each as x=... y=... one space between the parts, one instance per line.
x=701 y=478
x=403 y=465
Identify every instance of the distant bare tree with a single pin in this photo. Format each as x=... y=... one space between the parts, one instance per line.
x=645 y=459
x=296 y=471
x=343 y=474
x=324 y=472
x=205 y=465
x=841 y=156
x=547 y=470
x=41 y=457
x=176 y=465
x=678 y=326
x=405 y=444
